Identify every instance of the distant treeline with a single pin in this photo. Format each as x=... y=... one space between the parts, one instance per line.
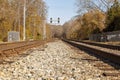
x=93 y=18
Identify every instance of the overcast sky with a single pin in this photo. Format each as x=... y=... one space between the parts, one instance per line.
x=65 y=9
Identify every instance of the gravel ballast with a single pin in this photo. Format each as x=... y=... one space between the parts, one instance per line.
x=54 y=61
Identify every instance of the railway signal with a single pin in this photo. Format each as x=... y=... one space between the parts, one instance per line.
x=58 y=20
x=50 y=20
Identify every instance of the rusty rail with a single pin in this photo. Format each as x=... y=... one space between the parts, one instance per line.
x=114 y=47
x=113 y=60
x=110 y=56
x=11 y=49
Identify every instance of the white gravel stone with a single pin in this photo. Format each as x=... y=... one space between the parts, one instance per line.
x=56 y=61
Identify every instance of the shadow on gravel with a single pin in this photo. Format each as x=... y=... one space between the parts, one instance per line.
x=10 y=60
x=24 y=55
x=6 y=62
x=116 y=66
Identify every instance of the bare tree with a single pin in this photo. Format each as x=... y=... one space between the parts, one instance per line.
x=87 y=5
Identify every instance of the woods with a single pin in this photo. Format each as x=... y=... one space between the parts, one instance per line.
x=93 y=17
x=12 y=18
x=29 y=18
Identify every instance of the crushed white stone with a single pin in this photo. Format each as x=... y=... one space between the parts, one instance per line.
x=53 y=62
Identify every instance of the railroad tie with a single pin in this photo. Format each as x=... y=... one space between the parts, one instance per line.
x=91 y=60
x=101 y=65
x=111 y=74
x=106 y=68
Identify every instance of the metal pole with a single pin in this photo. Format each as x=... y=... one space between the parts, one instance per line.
x=19 y=16
x=44 y=29
x=24 y=19
x=34 y=29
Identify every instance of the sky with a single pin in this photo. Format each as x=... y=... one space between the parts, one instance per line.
x=65 y=9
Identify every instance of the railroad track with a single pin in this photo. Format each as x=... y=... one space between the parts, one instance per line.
x=16 y=48
x=112 y=68
x=114 y=47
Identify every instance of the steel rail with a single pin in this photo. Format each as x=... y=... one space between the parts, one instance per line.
x=114 y=47
x=7 y=49
x=109 y=56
